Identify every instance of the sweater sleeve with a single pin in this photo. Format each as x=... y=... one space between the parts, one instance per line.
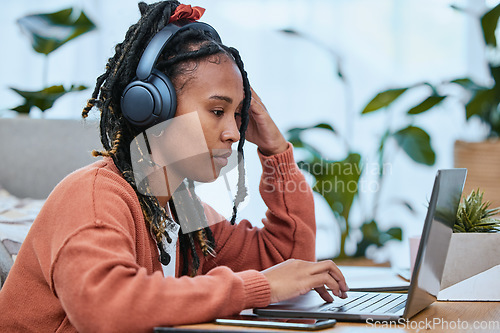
x=289 y=226
x=96 y=274
x=101 y=288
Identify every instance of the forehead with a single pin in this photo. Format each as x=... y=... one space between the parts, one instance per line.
x=217 y=72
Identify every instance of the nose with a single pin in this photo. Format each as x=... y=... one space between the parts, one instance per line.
x=230 y=132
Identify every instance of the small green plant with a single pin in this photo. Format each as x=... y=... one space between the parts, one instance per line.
x=474 y=215
x=47 y=33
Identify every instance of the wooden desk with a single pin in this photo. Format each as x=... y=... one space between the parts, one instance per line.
x=438 y=317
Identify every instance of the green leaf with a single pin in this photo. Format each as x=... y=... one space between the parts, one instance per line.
x=489 y=23
x=395 y=233
x=336 y=181
x=383 y=99
x=467 y=83
x=289 y=31
x=325 y=126
x=297 y=130
x=427 y=104
x=372 y=235
x=495 y=73
x=50 y=31
x=43 y=99
x=480 y=103
x=407 y=205
x=417 y=144
x=464 y=82
x=294 y=136
x=460 y=9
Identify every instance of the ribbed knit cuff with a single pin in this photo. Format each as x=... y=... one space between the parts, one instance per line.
x=280 y=166
x=257 y=290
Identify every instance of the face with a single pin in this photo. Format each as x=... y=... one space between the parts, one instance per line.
x=196 y=144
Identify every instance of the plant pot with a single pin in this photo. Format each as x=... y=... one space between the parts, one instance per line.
x=482 y=160
x=472 y=268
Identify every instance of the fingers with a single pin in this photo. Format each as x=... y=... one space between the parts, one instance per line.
x=259 y=106
x=325 y=279
x=296 y=277
x=332 y=269
x=325 y=295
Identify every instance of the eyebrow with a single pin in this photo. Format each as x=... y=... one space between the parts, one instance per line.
x=222 y=98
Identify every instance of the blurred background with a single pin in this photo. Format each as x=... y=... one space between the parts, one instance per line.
x=317 y=65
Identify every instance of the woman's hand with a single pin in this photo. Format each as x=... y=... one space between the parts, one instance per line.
x=262 y=130
x=297 y=277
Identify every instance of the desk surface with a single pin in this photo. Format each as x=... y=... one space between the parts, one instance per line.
x=438 y=317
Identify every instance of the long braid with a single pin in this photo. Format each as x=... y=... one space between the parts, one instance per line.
x=242 y=191
x=183 y=204
x=204 y=236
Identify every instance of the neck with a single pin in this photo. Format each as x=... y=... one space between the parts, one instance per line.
x=164 y=182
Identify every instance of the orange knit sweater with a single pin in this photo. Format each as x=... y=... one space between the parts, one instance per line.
x=89 y=263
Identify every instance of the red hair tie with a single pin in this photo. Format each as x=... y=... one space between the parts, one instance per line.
x=186 y=12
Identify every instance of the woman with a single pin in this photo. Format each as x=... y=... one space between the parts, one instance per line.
x=102 y=255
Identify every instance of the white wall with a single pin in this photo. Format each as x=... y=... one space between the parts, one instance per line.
x=382 y=44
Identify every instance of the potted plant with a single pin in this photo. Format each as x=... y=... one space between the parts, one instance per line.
x=47 y=33
x=340 y=182
x=482 y=158
x=29 y=136
x=473 y=254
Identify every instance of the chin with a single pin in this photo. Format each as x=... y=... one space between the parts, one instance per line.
x=200 y=168
x=207 y=176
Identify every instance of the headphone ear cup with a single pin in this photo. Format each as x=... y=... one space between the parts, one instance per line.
x=149 y=102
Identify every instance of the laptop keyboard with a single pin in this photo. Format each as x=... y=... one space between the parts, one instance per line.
x=368 y=302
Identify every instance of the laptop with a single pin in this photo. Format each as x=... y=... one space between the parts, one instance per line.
x=426 y=277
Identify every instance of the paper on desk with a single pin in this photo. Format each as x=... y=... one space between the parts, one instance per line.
x=362 y=278
x=484 y=286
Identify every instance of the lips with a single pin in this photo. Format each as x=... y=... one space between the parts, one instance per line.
x=222 y=159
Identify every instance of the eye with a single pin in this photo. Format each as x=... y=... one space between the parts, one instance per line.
x=237 y=115
x=218 y=113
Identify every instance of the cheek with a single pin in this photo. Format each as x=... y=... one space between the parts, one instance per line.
x=210 y=129
x=183 y=137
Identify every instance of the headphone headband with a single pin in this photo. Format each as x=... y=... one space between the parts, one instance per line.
x=161 y=39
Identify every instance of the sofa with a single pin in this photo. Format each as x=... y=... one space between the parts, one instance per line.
x=35 y=155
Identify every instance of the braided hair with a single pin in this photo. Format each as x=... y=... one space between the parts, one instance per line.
x=117 y=134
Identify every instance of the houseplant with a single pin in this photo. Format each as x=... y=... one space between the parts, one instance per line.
x=474 y=215
x=339 y=181
x=473 y=254
x=485 y=105
x=47 y=33
x=481 y=159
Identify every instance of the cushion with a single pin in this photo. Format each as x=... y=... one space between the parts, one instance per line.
x=16 y=218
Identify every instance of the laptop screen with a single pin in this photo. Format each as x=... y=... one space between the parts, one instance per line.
x=435 y=239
